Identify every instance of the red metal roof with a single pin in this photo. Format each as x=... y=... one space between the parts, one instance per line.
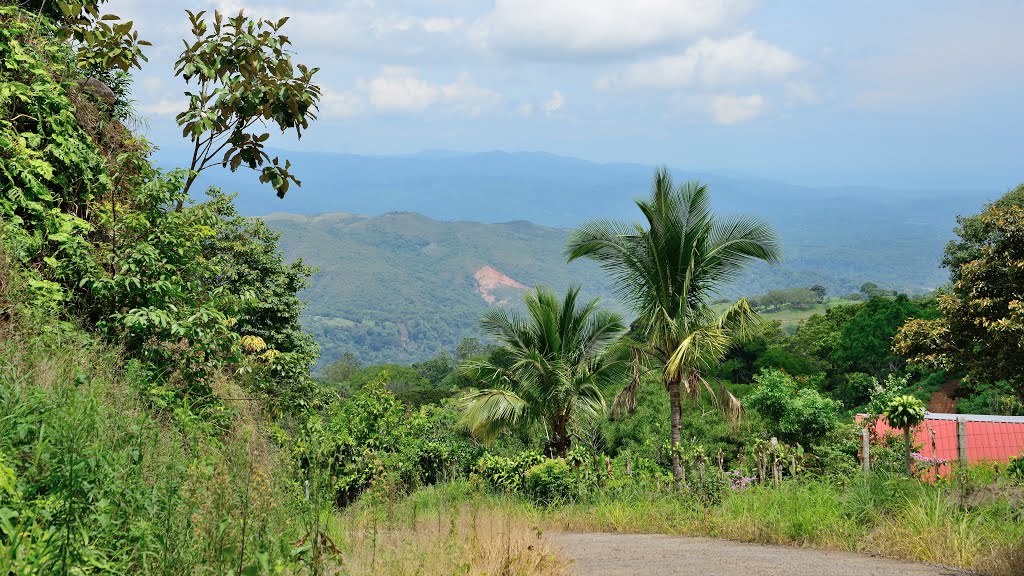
x=989 y=438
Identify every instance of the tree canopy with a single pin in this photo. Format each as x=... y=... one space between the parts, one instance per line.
x=981 y=328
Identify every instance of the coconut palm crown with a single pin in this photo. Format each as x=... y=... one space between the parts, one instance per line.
x=561 y=356
x=669 y=269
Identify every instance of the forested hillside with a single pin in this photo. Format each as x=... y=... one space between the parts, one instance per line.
x=385 y=282
x=401 y=287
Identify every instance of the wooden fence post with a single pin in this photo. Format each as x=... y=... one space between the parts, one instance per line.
x=776 y=472
x=961 y=440
x=865 y=450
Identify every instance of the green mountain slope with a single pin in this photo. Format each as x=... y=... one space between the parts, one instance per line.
x=401 y=286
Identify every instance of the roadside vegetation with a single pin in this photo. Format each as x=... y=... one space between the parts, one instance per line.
x=158 y=414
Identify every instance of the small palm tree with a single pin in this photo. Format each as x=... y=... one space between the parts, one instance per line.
x=562 y=355
x=669 y=270
x=905 y=412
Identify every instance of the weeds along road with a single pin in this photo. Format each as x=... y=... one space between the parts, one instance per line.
x=602 y=554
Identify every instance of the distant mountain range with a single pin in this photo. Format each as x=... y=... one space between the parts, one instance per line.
x=401 y=283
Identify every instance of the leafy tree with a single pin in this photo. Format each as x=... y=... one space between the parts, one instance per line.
x=247 y=261
x=342 y=368
x=865 y=342
x=905 y=412
x=244 y=76
x=871 y=290
x=982 y=318
x=670 y=271
x=765 y=350
x=975 y=232
x=818 y=336
x=562 y=359
x=437 y=368
x=789 y=412
x=819 y=291
x=101 y=41
x=789 y=298
x=468 y=348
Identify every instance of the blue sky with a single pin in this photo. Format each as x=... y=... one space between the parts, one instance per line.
x=902 y=94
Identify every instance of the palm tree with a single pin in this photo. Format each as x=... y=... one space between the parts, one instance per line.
x=559 y=359
x=669 y=270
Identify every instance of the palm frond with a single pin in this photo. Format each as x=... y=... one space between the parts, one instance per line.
x=487 y=413
x=626 y=399
x=700 y=349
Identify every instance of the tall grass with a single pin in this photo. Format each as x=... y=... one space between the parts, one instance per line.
x=443 y=530
x=101 y=484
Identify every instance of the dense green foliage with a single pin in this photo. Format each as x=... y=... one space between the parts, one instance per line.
x=143 y=346
x=371 y=436
x=982 y=317
x=92 y=481
x=790 y=412
x=865 y=342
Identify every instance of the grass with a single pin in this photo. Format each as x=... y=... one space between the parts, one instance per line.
x=443 y=530
x=892 y=517
x=93 y=481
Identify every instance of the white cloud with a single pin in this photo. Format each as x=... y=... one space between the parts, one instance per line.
x=164 y=107
x=382 y=26
x=526 y=109
x=555 y=103
x=738 y=61
x=400 y=90
x=344 y=104
x=549 y=29
x=801 y=93
x=728 y=109
x=441 y=25
x=435 y=25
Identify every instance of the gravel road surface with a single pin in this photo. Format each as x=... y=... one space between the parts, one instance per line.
x=658 y=555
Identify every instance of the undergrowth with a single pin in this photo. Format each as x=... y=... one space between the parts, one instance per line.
x=91 y=481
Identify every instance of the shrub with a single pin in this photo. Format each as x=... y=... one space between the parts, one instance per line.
x=789 y=412
x=549 y=482
x=1015 y=468
x=506 y=474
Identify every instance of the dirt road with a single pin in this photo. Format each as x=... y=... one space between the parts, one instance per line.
x=657 y=555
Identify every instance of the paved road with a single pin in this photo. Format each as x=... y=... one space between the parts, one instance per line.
x=657 y=555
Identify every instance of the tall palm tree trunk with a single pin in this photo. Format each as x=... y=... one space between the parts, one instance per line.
x=560 y=441
x=676 y=409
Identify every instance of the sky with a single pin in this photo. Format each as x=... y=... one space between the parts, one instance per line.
x=909 y=94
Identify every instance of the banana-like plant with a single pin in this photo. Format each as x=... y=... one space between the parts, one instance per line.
x=905 y=412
